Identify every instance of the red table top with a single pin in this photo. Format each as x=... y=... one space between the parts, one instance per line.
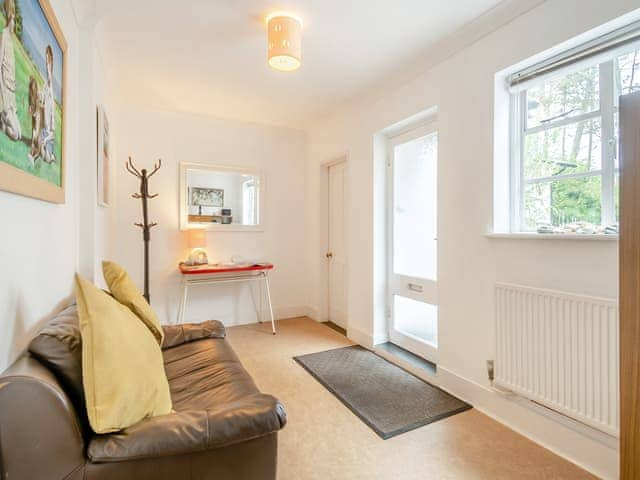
x=212 y=269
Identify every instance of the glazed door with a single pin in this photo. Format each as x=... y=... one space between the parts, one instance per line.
x=413 y=244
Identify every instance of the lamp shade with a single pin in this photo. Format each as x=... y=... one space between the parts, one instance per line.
x=197 y=238
x=285 y=41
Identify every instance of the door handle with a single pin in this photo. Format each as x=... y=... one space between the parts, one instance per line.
x=329 y=255
x=414 y=287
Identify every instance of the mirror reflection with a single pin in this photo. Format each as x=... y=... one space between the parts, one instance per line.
x=220 y=196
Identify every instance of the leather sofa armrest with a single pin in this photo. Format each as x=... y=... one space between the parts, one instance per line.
x=175 y=335
x=40 y=431
x=191 y=431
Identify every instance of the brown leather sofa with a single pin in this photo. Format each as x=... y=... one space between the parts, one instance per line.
x=222 y=428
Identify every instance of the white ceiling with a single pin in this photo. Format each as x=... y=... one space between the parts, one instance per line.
x=208 y=56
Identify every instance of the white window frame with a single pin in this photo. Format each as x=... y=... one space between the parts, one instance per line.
x=248 y=185
x=519 y=130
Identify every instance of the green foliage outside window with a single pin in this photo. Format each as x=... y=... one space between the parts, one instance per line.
x=562 y=162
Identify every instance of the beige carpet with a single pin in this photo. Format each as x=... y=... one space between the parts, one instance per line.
x=324 y=440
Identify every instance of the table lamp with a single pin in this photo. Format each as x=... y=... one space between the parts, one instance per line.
x=197 y=243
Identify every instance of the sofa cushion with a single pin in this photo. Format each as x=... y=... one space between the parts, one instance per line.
x=58 y=346
x=216 y=404
x=191 y=431
x=175 y=335
x=123 y=374
x=124 y=290
x=205 y=374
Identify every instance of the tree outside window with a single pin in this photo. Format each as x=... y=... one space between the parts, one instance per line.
x=568 y=166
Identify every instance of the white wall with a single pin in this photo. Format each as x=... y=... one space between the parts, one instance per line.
x=96 y=228
x=43 y=244
x=461 y=88
x=39 y=241
x=279 y=153
x=104 y=230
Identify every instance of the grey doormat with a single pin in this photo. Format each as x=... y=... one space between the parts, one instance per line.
x=386 y=397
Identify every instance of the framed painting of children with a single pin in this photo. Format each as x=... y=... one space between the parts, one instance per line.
x=32 y=100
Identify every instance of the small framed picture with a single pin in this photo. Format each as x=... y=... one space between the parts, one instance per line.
x=104 y=187
x=207 y=197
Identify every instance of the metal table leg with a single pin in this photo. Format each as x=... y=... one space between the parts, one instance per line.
x=261 y=303
x=207 y=280
x=273 y=321
x=183 y=303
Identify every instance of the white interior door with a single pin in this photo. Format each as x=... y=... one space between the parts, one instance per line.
x=336 y=253
x=413 y=253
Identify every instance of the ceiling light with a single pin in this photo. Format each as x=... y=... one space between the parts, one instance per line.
x=284 y=36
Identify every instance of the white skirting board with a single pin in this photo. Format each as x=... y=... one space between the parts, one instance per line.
x=587 y=447
x=580 y=444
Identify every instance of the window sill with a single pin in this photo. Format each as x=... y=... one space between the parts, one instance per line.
x=555 y=236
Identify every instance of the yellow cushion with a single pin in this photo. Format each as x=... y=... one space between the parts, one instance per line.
x=122 y=368
x=125 y=291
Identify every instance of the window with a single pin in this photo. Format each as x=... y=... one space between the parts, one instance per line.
x=249 y=202
x=564 y=145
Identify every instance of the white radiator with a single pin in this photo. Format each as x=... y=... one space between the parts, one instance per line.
x=560 y=350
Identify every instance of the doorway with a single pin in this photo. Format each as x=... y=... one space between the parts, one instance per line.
x=412 y=207
x=336 y=244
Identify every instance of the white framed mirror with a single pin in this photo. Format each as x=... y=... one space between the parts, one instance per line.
x=218 y=197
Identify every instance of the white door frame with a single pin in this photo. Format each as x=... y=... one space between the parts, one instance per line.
x=342 y=159
x=415 y=288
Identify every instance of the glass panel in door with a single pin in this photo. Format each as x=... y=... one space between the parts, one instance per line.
x=414 y=215
x=413 y=241
x=418 y=320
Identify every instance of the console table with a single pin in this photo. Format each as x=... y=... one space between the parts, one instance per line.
x=211 y=274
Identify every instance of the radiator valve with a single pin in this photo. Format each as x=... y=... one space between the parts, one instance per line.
x=490 y=370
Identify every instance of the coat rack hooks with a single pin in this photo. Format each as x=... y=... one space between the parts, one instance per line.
x=144 y=195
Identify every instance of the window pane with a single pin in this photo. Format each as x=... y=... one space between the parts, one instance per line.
x=568 y=96
x=414 y=208
x=562 y=202
x=416 y=319
x=249 y=203
x=573 y=148
x=628 y=73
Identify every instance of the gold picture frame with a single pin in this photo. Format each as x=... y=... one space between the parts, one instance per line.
x=13 y=178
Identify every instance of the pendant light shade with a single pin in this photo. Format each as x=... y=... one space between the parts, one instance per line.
x=284 y=35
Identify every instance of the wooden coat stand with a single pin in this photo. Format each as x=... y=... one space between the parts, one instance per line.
x=146 y=227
